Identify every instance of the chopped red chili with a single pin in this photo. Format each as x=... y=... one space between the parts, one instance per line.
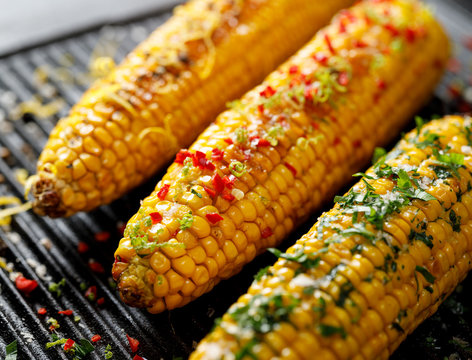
x=268 y=92
x=228 y=197
x=162 y=193
x=381 y=85
x=260 y=108
x=229 y=141
x=329 y=44
x=82 y=247
x=321 y=58
x=156 y=217
x=42 y=311
x=210 y=192
x=101 y=301
x=229 y=180
x=181 y=156
x=343 y=78
x=25 y=285
x=133 y=343
x=263 y=142
x=91 y=293
x=69 y=344
x=137 y=357
x=96 y=267
x=218 y=183
x=410 y=35
x=266 y=232
x=293 y=69
x=102 y=236
x=214 y=217
x=359 y=44
x=291 y=168
x=217 y=154
x=392 y=29
x=95 y=338
x=67 y=312
x=342 y=26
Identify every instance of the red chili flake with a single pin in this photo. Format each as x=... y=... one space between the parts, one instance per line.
x=454 y=65
x=42 y=311
x=268 y=92
x=181 y=156
x=294 y=69
x=356 y=144
x=410 y=35
x=260 y=108
x=329 y=43
x=96 y=267
x=162 y=193
x=133 y=343
x=468 y=42
x=337 y=141
x=175 y=233
x=82 y=247
x=91 y=293
x=291 y=168
x=308 y=93
x=137 y=357
x=315 y=125
x=263 y=142
x=95 y=338
x=229 y=141
x=343 y=78
x=228 y=197
x=381 y=84
x=156 y=217
x=214 y=217
x=199 y=160
x=210 y=192
x=392 y=29
x=266 y=232
x=360 y=44
x=69 y=344
x=102 y=236
x=67 y=312
x=101 y=301
x=218 y=183
x=368 y=20
x=342 y=26
x=25 y=285
x=217 y=154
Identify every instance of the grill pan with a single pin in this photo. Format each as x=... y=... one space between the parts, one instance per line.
x=32 y=240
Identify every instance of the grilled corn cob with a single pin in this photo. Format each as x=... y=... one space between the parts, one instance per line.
x=371 y=269
x=164 y=94
x=267 y=163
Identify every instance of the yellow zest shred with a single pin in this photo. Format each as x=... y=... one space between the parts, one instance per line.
x=165 y=131
x=5 y=214
x=28 y=184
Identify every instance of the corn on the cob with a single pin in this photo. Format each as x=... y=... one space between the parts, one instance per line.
x=165 y=93
x=371 y=269
x=284 y=148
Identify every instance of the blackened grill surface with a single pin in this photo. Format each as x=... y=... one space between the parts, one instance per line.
x=172 y=334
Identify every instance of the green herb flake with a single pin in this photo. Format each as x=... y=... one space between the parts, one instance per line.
x=273 y=133
x=196 y=193
x=83 y=349
x=56 y=288
x=329 y=330
x=426 y=274
x=188 y=165
x=261 y=273
x=12 y=350
x=241 y=135
x=455 y=221
x=186 y=221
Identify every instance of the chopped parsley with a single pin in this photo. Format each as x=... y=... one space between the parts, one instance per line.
x=306 y=261
x=426 y=274
x=329 y=330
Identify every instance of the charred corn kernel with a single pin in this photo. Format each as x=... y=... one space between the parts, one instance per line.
x=312 y=97
x=169 y=89
x=395 y=288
